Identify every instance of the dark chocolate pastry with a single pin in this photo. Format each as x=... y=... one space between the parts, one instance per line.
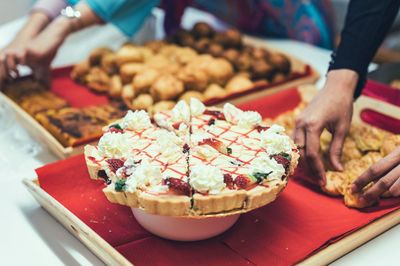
x=280 y=62
x=243 y=62
x=202 y=30
x=231 y=55
x=215 y=49
x=260 y=69
x=202 y=45
x=184 y=38
x=233 y=38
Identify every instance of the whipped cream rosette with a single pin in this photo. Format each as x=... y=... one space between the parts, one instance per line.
x=193 y=161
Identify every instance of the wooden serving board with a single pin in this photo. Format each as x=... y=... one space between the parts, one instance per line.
x=110 y=256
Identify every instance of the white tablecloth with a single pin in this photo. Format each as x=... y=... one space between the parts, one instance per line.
x=30 y=236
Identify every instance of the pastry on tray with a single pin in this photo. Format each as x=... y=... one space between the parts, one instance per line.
x=33 y=97
x=74 y=126
x=363 y=146
x=192 y=160
x=200 y=63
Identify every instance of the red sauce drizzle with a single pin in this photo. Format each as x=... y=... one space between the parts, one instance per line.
x=218 y=114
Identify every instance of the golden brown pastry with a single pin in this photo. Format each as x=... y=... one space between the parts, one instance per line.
x=355 y=168
x=109 y=64
x=98 y=80
x=389 y=144
x=367 y=138
x=325 y=140
x=115 y=87
x=219 y=71
x=128 y=54
x=80 y=71
x=192 y=94
x=155 y=45
x=97 y=54
x=41 y=101
x=161 y=106
x=353 y=199
x=350 y=150
x=129 y=70
x=166 y=87
x=146 y=52
x=231 y=55
x=183 y=55
x=127 y=93
x=395 y=84
x=259 y=53
x=144 y=79
x=334 y=183
x=238 y=83
x=168 y=50
x=142 y=102
x=214 y=91
x=193 y=78
x=158 y=62
x=215 y=49
x=243 y=62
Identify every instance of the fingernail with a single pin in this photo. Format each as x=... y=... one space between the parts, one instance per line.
x=362 y=199
x=353 y=188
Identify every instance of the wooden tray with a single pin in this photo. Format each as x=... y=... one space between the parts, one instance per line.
x=110 y=256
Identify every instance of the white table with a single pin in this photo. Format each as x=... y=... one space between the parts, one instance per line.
x=30 y=236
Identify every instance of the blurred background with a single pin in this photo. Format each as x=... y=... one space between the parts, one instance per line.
x=389 y=52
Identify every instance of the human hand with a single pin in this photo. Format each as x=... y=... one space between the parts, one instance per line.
x=14 y=53
x=385 y=174
x=41 y=51
x=332 y=109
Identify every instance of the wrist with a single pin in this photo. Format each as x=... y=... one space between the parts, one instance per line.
x=62 y=26
x=343 y=81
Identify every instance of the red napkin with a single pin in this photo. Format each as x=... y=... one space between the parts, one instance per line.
x=76 y=95
x=301 y=221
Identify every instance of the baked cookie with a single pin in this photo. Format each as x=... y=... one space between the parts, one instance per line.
x=367 y=138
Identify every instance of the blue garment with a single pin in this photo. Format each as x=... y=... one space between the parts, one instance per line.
x=127 y=15
x=309 y=21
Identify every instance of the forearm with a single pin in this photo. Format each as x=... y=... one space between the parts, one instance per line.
x=36 y=22
x=367 y=23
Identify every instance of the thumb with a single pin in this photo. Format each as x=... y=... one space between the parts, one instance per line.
x=335 y=150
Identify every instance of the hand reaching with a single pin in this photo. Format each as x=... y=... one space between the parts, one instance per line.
x=385 y=174
x=332 y=109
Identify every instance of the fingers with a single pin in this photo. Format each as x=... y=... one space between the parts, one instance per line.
x=300 y=140
x=384 y=184
x=376 y=171
x=312 y=154
x=395 y=189
x=335 y=149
